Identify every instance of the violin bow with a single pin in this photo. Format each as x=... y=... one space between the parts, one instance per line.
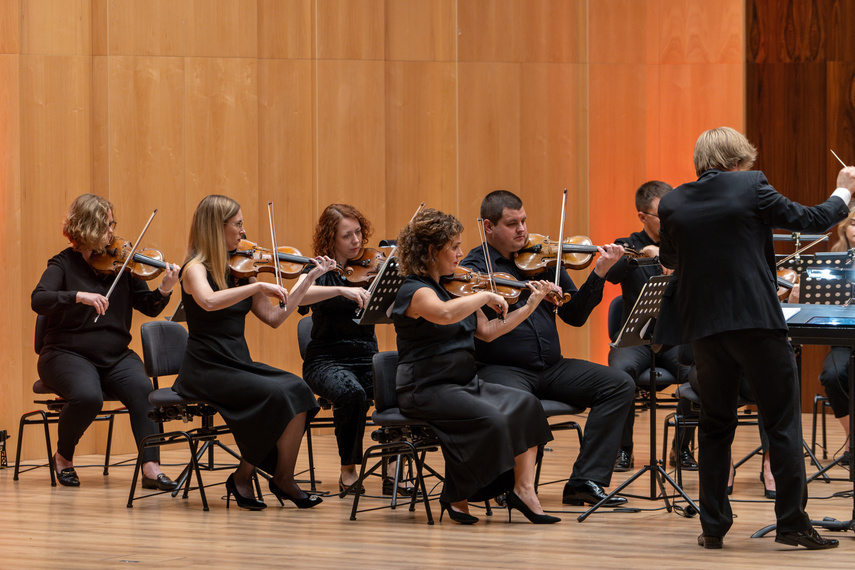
x=275 y=249
x=803 y=248
x=560 y=241
x=129 y=257
x=482 y=233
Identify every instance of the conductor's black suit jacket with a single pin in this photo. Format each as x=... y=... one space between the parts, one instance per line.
x=716 y=233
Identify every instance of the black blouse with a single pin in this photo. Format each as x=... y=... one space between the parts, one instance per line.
x=334 y=331
x=71 y=326
x=420 y=339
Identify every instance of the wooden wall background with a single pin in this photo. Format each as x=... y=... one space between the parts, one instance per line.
x=800 y=102
x=379 y=103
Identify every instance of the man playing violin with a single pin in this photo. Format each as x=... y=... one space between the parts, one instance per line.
x=636 y=359
x=529 y=357
x=723 y=300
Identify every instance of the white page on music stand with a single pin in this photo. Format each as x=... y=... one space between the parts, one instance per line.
x=789 y=312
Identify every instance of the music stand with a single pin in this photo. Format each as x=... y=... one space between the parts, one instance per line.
x=638 y=330
x=386 y=285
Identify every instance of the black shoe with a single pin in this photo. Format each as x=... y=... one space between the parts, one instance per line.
x=404 y=491
x=687 y=460
x=250 y=503
x=624 y=461
x=305 y=503
x=350 y=489
x=810 y=539
x=588 y=492
x=68 y=477
x=456 y=516
x=161 y=483
x=514 y=502
x=710 y=541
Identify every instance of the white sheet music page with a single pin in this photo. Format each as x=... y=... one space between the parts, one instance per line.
x=789 y=312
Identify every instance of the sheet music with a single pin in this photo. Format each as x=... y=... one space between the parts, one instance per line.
x=789 y=312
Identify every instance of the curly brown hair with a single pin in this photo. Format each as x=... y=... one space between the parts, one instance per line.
x=423 y=238
x=85 y=222
x=323 y=242
x=842 y=243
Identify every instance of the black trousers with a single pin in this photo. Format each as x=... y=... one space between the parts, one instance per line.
x=634 y=360
x=766 y=358
x=835 y=379
x=83 y=385
x=607 y=392
x=349 y=385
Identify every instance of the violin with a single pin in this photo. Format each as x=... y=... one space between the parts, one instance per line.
x=146 y=264
x=464 y=282
x=787 y=279
x=248 y=260
x=363 y=269
x=539 y=253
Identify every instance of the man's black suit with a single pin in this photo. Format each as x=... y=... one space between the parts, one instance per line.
x=716 y=233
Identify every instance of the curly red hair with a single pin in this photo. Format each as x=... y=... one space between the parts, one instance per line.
x=323 y=241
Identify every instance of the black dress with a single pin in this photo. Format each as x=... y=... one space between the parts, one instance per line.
x=257 y=401
x=481 y=426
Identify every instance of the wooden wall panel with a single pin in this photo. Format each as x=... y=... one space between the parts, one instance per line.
x=222 y=129
x=698 y=31
x=99 y=130
x=146 y=151
x=10 y=26
x=100 y=26
x=351 y=134
x=155 y=27
x=421 y=31
x=488 y=134
x=221 y=28
x=554 y=31
x=489 y=30
x=421 y=141
x=56 y=27
x=350 y=29
x=285 y=29
x=611 y=44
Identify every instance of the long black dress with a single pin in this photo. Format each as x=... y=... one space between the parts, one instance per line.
x=481 y=426
x=256 y=400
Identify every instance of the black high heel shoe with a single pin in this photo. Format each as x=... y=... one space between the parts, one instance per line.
x=766 y=492
x=342 y=487
x=514 y=502
x=456 y=516
x=305 y=503
x=249 y=503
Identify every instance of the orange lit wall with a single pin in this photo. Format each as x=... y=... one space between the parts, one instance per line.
x=660 y=72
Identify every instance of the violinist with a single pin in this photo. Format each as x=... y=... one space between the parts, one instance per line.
x=529 y=357
x=835 y=368
x=81 y=359
x=489 y=434
x=723 y=300
x=634 y=360
x=338 y=359
x=265 y=408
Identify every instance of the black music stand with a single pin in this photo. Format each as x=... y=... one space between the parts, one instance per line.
x=378 y=308
x=638 y=330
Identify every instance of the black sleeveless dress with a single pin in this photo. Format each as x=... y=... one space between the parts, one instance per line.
x=481 y=426
x=256 y=401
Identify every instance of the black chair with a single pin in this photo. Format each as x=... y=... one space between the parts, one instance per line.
x=304 y=336
x=51 y=416
x=397 y=436
x=820 y=407
x=554 y=409
x=163 y=344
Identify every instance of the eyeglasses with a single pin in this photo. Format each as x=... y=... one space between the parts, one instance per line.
x=238 y=225
x=111 y=225
x=651 y=214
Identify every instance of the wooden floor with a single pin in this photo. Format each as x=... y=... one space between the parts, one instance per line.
x=91 y=526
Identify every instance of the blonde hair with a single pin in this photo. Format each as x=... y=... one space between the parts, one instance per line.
x=842 y=244
x=85 y=223
x=423 y=238
x=723 y=148
x=207 y=242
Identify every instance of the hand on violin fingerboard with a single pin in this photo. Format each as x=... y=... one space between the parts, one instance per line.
x=609 y=255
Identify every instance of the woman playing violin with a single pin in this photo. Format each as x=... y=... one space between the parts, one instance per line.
x=81 y=359
x=265 y=408
x=489 y=434
x=338 y=358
